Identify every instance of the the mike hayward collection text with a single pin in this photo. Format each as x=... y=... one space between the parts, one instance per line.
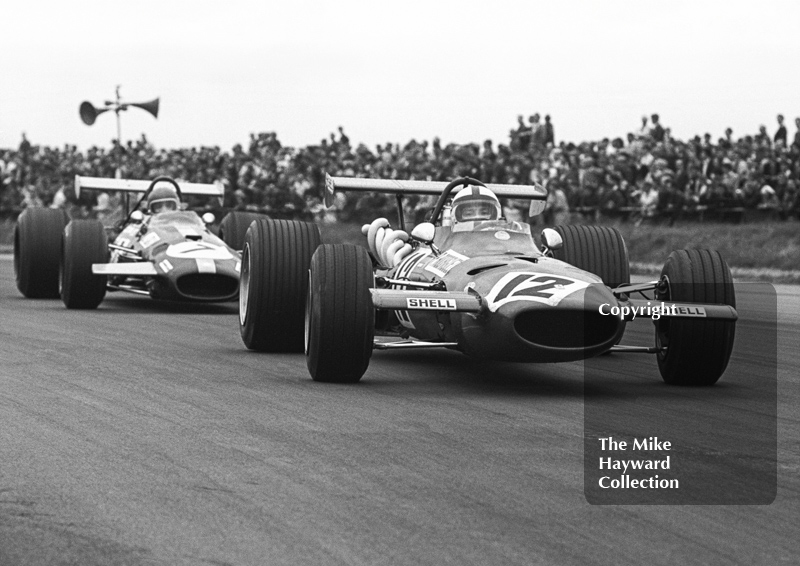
x=623 y=467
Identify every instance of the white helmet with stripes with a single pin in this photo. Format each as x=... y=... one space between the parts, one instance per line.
x=475 y=203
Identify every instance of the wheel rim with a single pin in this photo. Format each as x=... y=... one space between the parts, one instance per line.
x=244 y=285
x=61 y=276
x=307 y=329
x=61 y=264
x=17 y=251
x=662 y=326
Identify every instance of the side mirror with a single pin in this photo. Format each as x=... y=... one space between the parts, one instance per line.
x=137 y=216
x=209 y=218
x=424 y=232
x=551 y=239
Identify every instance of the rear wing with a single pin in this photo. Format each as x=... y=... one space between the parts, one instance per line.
x=216 y=189
x=397 y=187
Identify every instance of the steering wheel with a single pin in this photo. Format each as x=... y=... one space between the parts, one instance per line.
x=433 y=217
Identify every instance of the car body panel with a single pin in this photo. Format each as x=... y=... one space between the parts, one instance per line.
x=514 y=281
x=188 y=261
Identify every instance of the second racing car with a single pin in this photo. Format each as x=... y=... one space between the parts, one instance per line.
x=160 y=249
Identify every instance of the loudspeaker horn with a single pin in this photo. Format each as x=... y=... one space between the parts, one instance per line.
x=89 y=113
x=151 y=106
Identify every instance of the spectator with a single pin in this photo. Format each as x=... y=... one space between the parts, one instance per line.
x=728 y=143
x=657 y=131
x=797 y=133
x=343 y=139
x=59 y=199
x=549 y=133
x=557 y=207
x=488 y=161
x=648 y=202
x=522 y=135
x=769 y=198
x=762 y=138
x=780 y=135
x=644 y=131
x=537 y=133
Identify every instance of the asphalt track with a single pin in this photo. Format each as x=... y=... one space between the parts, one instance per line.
x=146 y=434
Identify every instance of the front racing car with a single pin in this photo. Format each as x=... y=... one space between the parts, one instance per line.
x=469 y=280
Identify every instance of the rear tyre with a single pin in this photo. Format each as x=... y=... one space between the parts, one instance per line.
x=37 y=251
x=233 y=228
x=85 y=243
x=340 y=318
x=274 y=283
x=697 y=351
x=597 y=249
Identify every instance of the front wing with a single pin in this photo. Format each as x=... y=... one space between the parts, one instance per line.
x=454 y=301
x=138 y=269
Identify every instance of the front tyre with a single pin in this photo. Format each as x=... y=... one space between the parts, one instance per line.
x=340 y=318
x=696 y=351
x=273 y=284
x=85 y=243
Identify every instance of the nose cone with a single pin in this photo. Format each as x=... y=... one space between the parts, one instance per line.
x=196 y=278
x=577 y=323
x=538 y=329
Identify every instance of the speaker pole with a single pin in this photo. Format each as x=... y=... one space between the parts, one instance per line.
x=118 y=174
x=89 y=113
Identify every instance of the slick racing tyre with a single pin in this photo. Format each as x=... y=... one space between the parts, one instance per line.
x=85 y=243
x=233 y=227
x=696 y=351
x=596 y=249
x=274 y=282
x=37 y=249
x=340 y=318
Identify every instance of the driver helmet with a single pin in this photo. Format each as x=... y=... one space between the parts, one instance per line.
x=162 y=199
x=475 y=203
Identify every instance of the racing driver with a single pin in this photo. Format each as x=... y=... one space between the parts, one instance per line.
x=475 y=203
x=162 y=199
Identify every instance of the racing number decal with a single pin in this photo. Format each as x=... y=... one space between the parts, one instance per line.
x=547 y=289
x=534 y=287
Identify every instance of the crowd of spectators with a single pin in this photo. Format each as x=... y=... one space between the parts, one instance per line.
x=647 y=174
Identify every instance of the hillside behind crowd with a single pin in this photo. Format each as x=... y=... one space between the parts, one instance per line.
x=650 y=171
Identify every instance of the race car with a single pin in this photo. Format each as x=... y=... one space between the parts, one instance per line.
x=163 y=251
x=472 y=281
